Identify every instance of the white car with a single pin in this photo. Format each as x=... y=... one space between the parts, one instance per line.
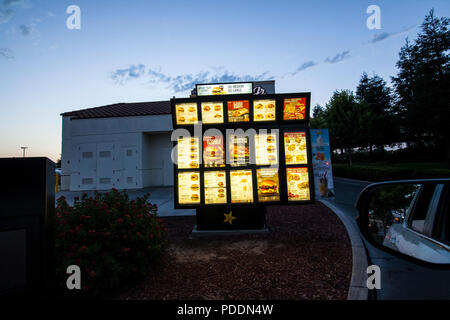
x=422 y=233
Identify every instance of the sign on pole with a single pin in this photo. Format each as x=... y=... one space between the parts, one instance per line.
x=321 y=162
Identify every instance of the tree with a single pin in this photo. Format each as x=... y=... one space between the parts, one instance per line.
x=345 y=119
x=381 y=123
x=422 y=85
x=319 y=118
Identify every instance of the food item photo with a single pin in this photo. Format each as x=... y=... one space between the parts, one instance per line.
x=186 y=113
x=298 y=184
x=264 y=110
x=238 y=111
x=295 y=148
x=188 y=188
x=212 y=112
x=268 y=184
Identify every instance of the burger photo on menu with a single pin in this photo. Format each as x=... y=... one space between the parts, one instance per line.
x=212 y=112
x=266 y=149
x=188 y=153
x=268 y=184
x=213 y=151
x=297 y=184
x=264 y=110
x=294 y=109
x=186 y=113
x=215 y=187
x=218 y=90
x=188 y=188
x=238 y=111
x=239 y=150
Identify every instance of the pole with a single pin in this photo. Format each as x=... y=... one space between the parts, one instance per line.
x=23 y=149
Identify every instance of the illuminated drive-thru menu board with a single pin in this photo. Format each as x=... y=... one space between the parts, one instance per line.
x=236 y=151
x=246 y=149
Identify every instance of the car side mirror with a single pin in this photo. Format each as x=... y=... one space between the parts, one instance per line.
x=410 y=219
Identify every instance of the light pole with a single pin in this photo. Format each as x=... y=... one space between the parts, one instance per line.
x=23 y=149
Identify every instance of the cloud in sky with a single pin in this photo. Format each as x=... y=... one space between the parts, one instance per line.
x=181 y=82
x=384 y=35
x=6 y=15
x=6 y=9
x=25 y=30
x=6 y=53
x=304 y=66
x=122 y=76
x=309 y=64
x=339 y=57
x=12 y=2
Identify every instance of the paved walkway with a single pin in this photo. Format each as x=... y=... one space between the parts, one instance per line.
x=161 y=196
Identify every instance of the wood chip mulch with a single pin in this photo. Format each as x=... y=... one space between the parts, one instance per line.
x=305 y=255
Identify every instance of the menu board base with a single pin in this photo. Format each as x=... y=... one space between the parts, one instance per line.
x=231 y=218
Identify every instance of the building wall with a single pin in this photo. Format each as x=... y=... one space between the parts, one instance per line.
x=157 y=167
x=105 y=153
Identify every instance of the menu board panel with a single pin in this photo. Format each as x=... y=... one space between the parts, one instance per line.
x=189 y=187
x=264 y=110
x=241 y=186
x=294 y=109
x=295 y=148
x=212 y=112
x=297 y=184
x=226 y=88
x=215 y=187
x=186 y=113
x=238 y=111
x=268 y=184
x=266 y=149
x=238 y=148
x=213 y=151
x=188 y=153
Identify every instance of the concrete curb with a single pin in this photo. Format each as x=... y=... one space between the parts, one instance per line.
x=358 y=289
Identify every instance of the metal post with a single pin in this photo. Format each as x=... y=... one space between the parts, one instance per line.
x=24 y=148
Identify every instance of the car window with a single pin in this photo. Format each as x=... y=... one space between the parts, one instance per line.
x=442 y=228
x=423 y=214
x=433 y=210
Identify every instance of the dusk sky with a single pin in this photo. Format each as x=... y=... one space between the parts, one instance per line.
x=131 y=51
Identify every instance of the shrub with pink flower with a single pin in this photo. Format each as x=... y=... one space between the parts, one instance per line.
x=93 y=235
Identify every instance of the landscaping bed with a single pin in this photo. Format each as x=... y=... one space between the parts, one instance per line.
x=305 y=255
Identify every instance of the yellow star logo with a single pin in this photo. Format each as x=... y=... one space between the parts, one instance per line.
x=229 y=217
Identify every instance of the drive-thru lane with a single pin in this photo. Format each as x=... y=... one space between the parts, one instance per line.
x=399 y=279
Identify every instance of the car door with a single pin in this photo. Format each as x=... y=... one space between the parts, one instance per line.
x=416 y=236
